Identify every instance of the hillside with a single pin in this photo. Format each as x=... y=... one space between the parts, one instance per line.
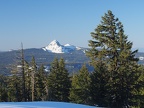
x=74 y=56
x=74 y=60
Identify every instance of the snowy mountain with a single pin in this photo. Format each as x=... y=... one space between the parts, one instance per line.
x=56 y=47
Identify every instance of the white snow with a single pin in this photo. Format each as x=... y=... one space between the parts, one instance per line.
x=56 y=47
x=42 y=105
x=141 y=58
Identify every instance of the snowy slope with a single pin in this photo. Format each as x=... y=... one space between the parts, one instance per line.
x=56 y=47
x=42 y=105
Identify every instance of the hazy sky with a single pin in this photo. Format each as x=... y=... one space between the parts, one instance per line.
x=38 y=22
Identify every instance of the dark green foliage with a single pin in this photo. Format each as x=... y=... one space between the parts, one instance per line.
x=23 y=74
x=52 y=80
x=28 y=82
x=65 y=81
x=33 y=72
x=14 y=87
x=98 y=86
x=16 y=81
x=111 y=47
x=3 y=89
x=139 y=95
x=58 y=81
x=40 y=84
x=80 y=90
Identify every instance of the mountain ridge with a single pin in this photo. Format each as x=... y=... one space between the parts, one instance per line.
x=74 y=57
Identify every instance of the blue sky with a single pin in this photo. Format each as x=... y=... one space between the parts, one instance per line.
x=38 y=22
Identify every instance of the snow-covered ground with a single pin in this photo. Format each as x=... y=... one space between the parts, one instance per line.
x=41 y=105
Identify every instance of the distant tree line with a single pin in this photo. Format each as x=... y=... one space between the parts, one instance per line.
x=117 y=80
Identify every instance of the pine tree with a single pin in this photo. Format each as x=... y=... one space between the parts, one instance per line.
x=80 y=90
x=3 y=89
x=14 y=88
x=64 y=81
x=23 y=73
x=110 y=46
x=98 y=86
x=58 y=82
x=40 y=84
x=28 y=81
x=33 y=71
x=139 y=92
x=52 y=81
x=16 y=82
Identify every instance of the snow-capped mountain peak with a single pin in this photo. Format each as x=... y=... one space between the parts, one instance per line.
x=54 y=43
x=56 y=47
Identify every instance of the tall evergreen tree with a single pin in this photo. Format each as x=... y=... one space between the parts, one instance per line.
x=65 y=81
x=98 y=86
x=80 y=90
x=139 y=95
x=40 y=84
x=23 y=73
x=52 y=81
x=110 y=46
x=58 y=82
x=33 y=71
x=3 y=89
x=16 y=82
x=14 y=88
x=28 y=82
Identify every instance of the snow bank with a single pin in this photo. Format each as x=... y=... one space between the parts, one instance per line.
x=41 y=105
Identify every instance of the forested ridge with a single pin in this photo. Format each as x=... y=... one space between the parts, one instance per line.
x=117 y=79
